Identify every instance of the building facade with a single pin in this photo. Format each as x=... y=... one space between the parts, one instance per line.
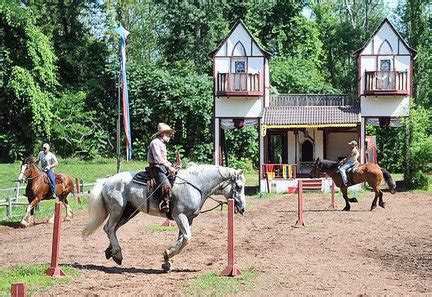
x=295 y=129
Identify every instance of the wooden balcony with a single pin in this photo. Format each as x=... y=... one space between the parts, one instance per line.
x=238 y=84
x=386 y=83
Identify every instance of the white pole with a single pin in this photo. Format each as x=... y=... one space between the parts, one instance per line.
x=362 y=140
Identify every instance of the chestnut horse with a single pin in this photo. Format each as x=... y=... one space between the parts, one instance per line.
x=38 y=189
x=370 y=173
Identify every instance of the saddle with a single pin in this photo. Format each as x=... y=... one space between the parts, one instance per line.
x=144 y=178
x=57 y=177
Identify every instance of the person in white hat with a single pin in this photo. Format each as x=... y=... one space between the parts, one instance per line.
x=48 y=161
x=159 y=164
x=349 y=161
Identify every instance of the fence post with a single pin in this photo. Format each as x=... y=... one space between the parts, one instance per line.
x=333 y=194
x=9 y=207
x=17 y=185
x=77 y=187
x=19 y=290
x=231 y=269
x=300 y=222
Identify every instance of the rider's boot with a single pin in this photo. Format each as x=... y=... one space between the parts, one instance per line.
x=164 y=205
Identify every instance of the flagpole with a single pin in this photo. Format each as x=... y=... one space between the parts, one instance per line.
x=118 y=152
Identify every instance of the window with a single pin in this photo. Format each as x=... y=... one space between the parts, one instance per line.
x=239 y=50
x=240 y=66
x=307 y=151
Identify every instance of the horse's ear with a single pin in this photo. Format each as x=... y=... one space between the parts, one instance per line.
x=239 y=172
x=317 y=160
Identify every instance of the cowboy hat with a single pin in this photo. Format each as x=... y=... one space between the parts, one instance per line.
x=162 y=127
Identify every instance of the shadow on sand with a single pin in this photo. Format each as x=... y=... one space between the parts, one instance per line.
x=120 y=270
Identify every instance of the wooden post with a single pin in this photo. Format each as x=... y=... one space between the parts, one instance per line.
x=54 y=269
x=333 y=194
x=77 y=187
x=167 y=223
x=19 y=290
x=300 y=222
x=231 y=269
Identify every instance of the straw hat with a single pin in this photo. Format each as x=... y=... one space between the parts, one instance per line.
x=162 y=127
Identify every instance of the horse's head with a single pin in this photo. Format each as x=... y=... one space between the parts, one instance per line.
x=26 y=168
x=235 y=189
x=316 y=169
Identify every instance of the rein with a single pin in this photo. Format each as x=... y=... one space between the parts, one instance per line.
x=220 y=203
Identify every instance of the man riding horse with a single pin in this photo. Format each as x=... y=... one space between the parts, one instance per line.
x=160 y=167
x=349 y=161
x=48 y=161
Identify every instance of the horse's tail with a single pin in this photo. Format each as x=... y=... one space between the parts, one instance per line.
x=97 y=210
x=389 y=180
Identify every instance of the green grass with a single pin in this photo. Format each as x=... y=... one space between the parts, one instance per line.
x=88 y=171
x=34 y=276
x=46 y=210
x=211 y=284
x=156 y=228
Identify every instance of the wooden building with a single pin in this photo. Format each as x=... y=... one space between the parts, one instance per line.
x=295 y=129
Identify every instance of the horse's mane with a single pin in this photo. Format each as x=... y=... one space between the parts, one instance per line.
x=328 y=164
x=198 y=169
x=29 y=160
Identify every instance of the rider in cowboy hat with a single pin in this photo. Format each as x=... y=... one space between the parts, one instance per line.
x=349 y=161
x=159 y=165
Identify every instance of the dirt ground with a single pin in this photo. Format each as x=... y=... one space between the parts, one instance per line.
x=387 y=251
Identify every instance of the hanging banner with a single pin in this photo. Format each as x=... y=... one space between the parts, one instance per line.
x=125 y=96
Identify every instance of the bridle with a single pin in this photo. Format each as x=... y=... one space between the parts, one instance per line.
x=28 y=177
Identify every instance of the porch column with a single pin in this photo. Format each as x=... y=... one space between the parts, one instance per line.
x=362 y=140
x=216 y=141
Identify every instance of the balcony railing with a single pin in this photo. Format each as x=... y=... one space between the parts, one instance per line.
x=238 y=84
x=386 y=82
x=312 y=100
x=279 y=171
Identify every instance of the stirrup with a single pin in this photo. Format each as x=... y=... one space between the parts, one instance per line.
x=164 y=206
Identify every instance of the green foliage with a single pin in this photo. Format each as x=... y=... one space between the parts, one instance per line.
x=419 y=148
x=298 y=75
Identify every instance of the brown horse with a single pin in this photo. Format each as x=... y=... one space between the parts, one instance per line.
x=38 y=189
x=370 y=173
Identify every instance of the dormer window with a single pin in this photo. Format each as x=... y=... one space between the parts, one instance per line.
x=239 y=50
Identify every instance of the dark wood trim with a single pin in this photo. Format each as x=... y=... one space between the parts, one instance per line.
x=385 y=92
x=325 y=132
x=246 y=118
x=411 y=77
x=295 y=146
x=239 y=93
x=214 y=112
x=374 y=55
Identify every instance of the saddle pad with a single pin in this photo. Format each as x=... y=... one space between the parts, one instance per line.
x=141 y=177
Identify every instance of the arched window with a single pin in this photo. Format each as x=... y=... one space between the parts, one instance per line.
x=239 y=49
x=385 y=48
x=307 y=151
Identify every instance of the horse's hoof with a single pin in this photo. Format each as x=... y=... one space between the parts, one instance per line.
x=167 y=266
x=353 y=200
x=382 y=205
x=373 y=207
x=24 y=223
x=51 y=220
x=165 y=255
x=117 y=259
x=346 y=208
x=68 y=219
x=108 y=253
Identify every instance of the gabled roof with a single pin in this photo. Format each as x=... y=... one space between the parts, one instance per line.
x=240 y=22
x=386 y=20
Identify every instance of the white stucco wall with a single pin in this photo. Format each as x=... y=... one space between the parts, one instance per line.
x=384 y=106
x=337 y=144
x=319 y=144
x=291 y=147
x=238 y=107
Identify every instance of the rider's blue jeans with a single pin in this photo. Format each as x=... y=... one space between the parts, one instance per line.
x=343 y=169
x=51 y=178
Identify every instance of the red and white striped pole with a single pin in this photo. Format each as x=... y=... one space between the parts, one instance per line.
x=300 y=222
x=231 y=269
x=54 y=269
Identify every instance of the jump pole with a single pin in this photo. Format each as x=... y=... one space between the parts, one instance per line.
x=231 y=269
x=300 y=222
x=55 y=270
x=77 y=186
x=19 y=290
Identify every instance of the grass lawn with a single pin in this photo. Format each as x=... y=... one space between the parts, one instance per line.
x=34 y=276
x=211 y=284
